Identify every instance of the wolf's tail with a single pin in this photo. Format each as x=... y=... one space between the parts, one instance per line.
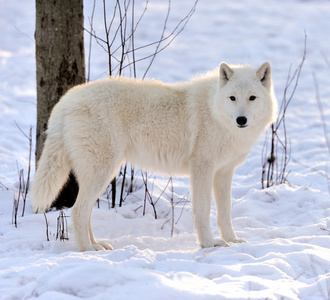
x=52 y=171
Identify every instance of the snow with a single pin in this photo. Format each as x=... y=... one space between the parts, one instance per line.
x=287 y=226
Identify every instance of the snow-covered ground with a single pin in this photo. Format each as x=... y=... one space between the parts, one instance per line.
x=287 y=226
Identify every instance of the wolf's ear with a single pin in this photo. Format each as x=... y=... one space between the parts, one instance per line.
x=225 y=73
x=264 y=74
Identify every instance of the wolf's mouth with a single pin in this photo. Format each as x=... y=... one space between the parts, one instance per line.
x=242 y=126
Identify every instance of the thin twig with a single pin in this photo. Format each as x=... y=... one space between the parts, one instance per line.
x=62 y=227
x=274 y=168
x=47 y=226
x=90 y=43
x=147 y=195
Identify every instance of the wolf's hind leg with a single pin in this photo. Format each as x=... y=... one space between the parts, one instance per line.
x=93 y=177
x=81 y=216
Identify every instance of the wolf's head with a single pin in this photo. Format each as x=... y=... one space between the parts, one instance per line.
x=245 y=96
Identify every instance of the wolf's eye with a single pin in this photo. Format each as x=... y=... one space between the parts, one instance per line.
x=252 y=98
x=232 y=98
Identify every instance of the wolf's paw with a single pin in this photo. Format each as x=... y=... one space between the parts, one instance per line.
x=98 y=246
x=220 y=243
x=237 y=240
x=104 y=244
x=214 y=243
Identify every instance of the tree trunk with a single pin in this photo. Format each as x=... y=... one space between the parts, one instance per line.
x=60 y=62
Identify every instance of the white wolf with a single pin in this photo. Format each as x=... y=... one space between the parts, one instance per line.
x=203 y=128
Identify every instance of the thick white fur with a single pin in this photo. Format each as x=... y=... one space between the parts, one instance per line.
x=180 y=129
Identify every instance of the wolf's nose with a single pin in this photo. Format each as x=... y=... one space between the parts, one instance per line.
x=241 y=121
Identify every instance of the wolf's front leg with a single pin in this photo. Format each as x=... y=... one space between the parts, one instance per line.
x=201 y=186
x=222 y=196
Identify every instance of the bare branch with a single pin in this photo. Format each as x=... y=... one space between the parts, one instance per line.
x=107 y=37
x=90 y=43
x=285 y=102
x=274 y=167
x=161 y=39
x=47 y=226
